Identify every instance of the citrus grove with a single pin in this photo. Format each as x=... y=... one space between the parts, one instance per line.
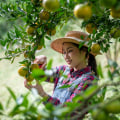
x=42 y=19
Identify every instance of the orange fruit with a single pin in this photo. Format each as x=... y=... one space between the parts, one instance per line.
x=99 y=114
x=95 y=48
x=115 y=13
x=51 y=5
x=90 y=28
x=30 y=30
x=29 y=78
x=34 y=66
x=39 y=47
x=22 y=71
x=83 y=11
x=51 y=32
x=44 y=15
x=115 y=32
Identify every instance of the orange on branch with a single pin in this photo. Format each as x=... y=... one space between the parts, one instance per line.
x=44 y=15
x=113 y=107
x=99 y=114
x=29 y=78
x=34 y=66
x=95 y=48
x=115 y=32
x=51 y=5
x=39 y=47
x=51 y=32
x=83 y=11
x=22 y=71
x=30 y=30
x=91 y=27
x=115 y=13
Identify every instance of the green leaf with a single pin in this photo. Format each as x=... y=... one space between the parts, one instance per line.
x=48 y=37
x=49 y=65
x=36 y=73
x=1 y=106
x=11 y=93
x=99 y=70
x=110 y=75
x=65 y=86
x=90 y=90
x=8 y=102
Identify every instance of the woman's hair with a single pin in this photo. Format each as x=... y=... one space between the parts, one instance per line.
x=91 y=59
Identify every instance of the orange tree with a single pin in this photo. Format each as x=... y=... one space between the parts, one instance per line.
x=40 y=18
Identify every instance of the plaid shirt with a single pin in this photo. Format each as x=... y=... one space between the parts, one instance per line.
x=73 y=75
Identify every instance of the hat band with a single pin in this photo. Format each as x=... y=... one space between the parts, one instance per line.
x=78 y=40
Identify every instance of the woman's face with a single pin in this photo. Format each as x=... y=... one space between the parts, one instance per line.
x=73 y=56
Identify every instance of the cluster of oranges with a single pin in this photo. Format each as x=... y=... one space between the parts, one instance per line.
x=25 y=72
x=44 y=15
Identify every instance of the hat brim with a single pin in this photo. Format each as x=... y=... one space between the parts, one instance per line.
x=58 y=43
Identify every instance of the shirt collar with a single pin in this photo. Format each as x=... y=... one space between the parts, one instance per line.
x=81 y=71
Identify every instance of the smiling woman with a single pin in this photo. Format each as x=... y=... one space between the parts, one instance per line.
x=80 y=71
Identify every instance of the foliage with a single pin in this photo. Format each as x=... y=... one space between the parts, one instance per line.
x=35 y=31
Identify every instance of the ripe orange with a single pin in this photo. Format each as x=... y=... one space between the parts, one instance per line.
x=51 y=5
x=44 y=15
x=34 y=66
x=115 y=13
x=91 y=27
x=51 y=32
x=22 y=71
x=83 y=11
x=115 y=32
x=95 y=48
x=30 y=30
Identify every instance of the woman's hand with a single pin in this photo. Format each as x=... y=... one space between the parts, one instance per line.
x=38 y=87
x=42 y=59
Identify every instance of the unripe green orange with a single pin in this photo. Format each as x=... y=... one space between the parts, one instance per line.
x=99 y=114
x=113 y=107
x=22 y=71
x=30 y=30
x=91 y=27
x=83 y=11
x=51 y=5
x=44 y=15
x=95 y=48
x=115 y=32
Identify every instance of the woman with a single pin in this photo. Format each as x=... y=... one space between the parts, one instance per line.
x=81 y=69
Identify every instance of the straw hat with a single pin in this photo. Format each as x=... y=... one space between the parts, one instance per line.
x=73 y=37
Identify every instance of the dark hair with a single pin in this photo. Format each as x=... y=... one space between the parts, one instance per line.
x=91 y=60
